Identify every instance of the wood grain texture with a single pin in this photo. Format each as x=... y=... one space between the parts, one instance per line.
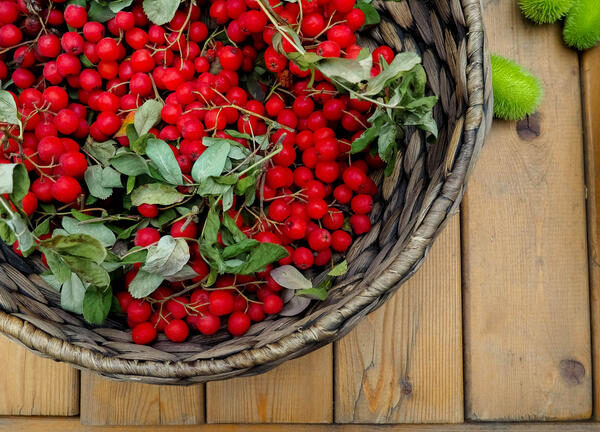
x=31 y=385
x=49 y=424
x=105 y=402
x=591 y=95
x=299 y=391
x=403 y=363
x=526 y=308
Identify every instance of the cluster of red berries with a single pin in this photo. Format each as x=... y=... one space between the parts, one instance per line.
x=85 y=81
x=202 y=309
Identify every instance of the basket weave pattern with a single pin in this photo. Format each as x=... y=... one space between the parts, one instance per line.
x=414 y=204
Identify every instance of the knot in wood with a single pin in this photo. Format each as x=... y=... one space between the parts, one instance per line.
x=572 y=371
x=530 y=127
x=405 y=387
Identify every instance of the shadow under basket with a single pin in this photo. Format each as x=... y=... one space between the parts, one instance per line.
x=413 y=205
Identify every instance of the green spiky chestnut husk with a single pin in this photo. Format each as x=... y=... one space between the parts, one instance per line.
x=517 y=93
x=545 y=11
x=582 y=26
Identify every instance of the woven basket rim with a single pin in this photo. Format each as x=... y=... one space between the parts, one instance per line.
x=327 y=327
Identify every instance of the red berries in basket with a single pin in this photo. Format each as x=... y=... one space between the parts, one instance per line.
x=187 y=162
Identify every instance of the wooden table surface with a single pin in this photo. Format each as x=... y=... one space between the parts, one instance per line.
x=499 y=325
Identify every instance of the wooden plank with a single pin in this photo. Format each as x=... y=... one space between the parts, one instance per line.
x=49 y=424
x=31 y=385
x=591 y=97
x=526 y=309
x=106 y=402
x=403 y=363
x=299 y=391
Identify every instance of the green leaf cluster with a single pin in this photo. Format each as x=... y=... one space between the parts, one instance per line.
x=240 y=254
x=164 y=259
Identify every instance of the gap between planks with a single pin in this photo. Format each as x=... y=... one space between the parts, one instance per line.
x=590 y=75
x=526 y=308
x=48 y=424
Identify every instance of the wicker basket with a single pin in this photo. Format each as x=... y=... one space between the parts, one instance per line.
x=414 y=204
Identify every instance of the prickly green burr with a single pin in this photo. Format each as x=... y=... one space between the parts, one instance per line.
x=517 y=93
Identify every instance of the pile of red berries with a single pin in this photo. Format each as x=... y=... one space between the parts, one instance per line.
x=74 y=79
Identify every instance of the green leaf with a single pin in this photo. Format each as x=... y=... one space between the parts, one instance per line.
x=317 y=293
x=130 y=184
x=366 y=138
x=239 y=248
x=57 y=266
x=159 y=253
x=261 y=256
x=237 y=134
x=339 y=269
x=114 y=262
x=98 y=12
x=227 y=199
x=51 y=280
x=48 y=208
x=132 y=134
x=119 y=5
x=76 y=245
x=186 y=273
x=164 y=218
x=101 y=151
x=232 y=265
x=290 y=277
x=135 y=257
x=18 y=225
x=111 y=178
x=82 y=216
x=72 y=294
x=386 y=143
x=237 y=233
x=244 y=184
x=96 y=230
x=237 y=152
x=96 y=304
x=6 y=233
x=167 y=257
x=147 y=115
x=14 y=180
x=130 y=164
x=291 y=35
x=211 y=187
x=160 y=11
x=161 y=154
x=213 y=257
x=140 y=144
x=306 y=60
x=86 y=61
x=8 y=109
x=211 y=226
x=144 y=284
x=43 y=228
x=351 y=70
x=403 y=62
x=156 y=193
x=211 y=162
x=93 y=178
x=371 y=15
x=226 y=180
x=88 y=270
x=127 y=232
